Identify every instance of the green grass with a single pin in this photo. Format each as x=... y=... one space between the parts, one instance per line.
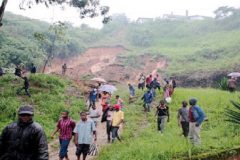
x=144 y=142
x=48 y=98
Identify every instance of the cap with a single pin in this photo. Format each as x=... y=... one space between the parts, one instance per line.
x=116 y=106
x=26 y=110
x=193 y=101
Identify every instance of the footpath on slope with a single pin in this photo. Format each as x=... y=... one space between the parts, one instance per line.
x=101 y=140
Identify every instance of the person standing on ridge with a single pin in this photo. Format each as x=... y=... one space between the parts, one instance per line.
x=64 y=69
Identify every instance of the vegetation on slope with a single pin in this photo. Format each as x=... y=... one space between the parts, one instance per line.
x=142 y=141
x=48 y=97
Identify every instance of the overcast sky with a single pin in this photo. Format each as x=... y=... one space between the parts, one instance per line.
x=132 y=8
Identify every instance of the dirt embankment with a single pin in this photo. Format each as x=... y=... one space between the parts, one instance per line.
x=108 y=63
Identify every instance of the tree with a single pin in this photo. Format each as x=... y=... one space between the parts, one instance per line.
x=87 y=8
x=2 y=9
x=224 y=12
x=49 y=42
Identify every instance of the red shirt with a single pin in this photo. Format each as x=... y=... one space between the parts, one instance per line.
x=66 y=127
x=149 y=80
x=191 y=118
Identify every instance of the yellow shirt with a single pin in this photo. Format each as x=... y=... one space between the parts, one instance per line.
x=117 y=118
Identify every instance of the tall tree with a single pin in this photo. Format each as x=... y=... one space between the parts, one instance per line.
x=224 y=12
x=49 y=41
x=87 y=8
x=2 y=9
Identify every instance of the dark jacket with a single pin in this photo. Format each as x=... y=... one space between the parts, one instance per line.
x=23 y=142
x=147 y=97
x=26 y=83
x=33 y=69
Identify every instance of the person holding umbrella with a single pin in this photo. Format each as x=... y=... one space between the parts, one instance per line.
x=232 y=84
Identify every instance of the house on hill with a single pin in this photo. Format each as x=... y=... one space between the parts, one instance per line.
x=142 y=20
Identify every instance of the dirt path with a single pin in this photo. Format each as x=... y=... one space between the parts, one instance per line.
x=102 y=141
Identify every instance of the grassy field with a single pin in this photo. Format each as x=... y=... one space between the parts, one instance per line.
x=142 y=141
x=49 y=98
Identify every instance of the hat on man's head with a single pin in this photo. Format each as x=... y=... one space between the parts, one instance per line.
x=193 y=101
x=117 y=106
x=26 y=109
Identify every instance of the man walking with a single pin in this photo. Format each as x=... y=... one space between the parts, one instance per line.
x=117 y=120
x=163 y=116
x=24 y=139
x=141 y=81
x=25 y=87
x=92 y=98
x=183 y=120
x=147 y=99
x=64 y=69
x=65 y=127
x=196 y=117
x=83 y=135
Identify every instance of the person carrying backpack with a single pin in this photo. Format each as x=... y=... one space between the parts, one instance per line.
x=196 y=117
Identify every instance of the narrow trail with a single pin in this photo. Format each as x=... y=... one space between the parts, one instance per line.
x=101 y=140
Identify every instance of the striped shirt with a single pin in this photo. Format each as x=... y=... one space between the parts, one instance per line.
x=66 y=127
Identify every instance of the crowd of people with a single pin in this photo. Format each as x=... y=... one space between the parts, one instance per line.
x=26 y=138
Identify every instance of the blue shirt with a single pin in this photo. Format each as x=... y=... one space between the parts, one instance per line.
x=85 y=129
x=147 y=97
x=198 y=114
x=93 y=96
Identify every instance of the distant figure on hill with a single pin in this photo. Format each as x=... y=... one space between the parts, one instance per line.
x=25 y=87
x=24 y=139
x=149 y=81
x=92 y=98
x=163 y=116
x=18 y=71
x=131 y=92
x=141 y=81
x=65 y=127
x=33 y=68
x=183 y=118
x=172 y=86
x=64 y=69
x=117 y=120
x=196 y=117
x=232 y=84
x=1 y=71
x=147 y=100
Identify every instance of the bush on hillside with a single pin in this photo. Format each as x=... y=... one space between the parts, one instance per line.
x=233 y=114
x=223 y=84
